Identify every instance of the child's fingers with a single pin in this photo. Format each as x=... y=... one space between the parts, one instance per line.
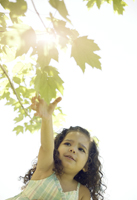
x=57 y=100
x=33 y=99
x=34 y=106
x=39 y=98
x=36 y=114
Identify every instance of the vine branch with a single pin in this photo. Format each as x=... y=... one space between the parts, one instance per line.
x=12 y=86
x=38 y=14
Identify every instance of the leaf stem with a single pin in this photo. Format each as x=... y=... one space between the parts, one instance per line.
x=38 y=14
x=12 y=86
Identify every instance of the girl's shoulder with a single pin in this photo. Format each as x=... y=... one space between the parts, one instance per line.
x=84 y=193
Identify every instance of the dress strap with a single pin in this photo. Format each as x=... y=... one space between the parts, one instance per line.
x=59 y=187
x=78 y=186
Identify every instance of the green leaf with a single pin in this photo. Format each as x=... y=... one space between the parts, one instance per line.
x=29 y=93
x=18 y=129
x=52 y=72
x=60 y=26
x=8 y=54
x=62 y=31
x=10 y=38
x=47 y=82
x=91 y=3
x=33 y=126
x=19 y=118
x=5 y=94
x=26 y=102
x=17 y=106
x=32 y=80
x=20 y=36
x=4 y=82
x=3 y=19
x=17 y=80
x=99 y=2
x=59 y=5
x=118 y=6
x=74 y=34
x=58 y=119
x=42 y=85
x=21 y=69
x=27 y=40
x=11 y=101
x=4 y=3
x=17 y=9
x=26 y=92
x=83 y=52
x=46 y=52
x=18 y=67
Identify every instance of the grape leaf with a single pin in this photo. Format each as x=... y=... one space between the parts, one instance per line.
x=61 y=8
x=31 y=126
x=18 y=129
x=99 y=2
x=46 y=52
x=8 y=54
x=16 y=106
x=19 y=118
x=91 y=3
x=17 y=80
x=4 y=3
x=47 y=82
x=21 y=36
x=58 y=119
x=83 y=52
x=11 y=101
x=60 y=26
x=27 y=40
x=21 y=69
x=16 y=9
x=52 y=72
x=26 y=92
x=64 y=35
x=3 y=19
x=62 y=32
x=119 y=6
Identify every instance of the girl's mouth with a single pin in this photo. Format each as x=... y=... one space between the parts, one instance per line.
x=70 y=157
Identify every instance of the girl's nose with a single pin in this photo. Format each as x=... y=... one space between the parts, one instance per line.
x=72 y=150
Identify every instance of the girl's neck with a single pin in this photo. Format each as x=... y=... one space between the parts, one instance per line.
x=66 y=178
x=67 y=182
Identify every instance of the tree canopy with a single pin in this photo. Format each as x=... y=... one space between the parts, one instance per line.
x=25 y=62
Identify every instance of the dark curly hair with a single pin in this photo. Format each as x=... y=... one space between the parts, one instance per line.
x=93 y=176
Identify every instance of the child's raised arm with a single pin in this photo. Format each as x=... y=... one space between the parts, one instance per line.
x=45 y=157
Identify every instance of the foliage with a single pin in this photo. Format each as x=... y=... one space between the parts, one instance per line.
x=26 y=61
x=118 y=5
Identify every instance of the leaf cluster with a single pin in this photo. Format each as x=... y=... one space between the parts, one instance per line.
x=118 y=5
x=31 y=70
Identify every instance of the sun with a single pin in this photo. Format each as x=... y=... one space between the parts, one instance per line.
x=46 y=37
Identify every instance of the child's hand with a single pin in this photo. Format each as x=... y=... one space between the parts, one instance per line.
x=42 y=109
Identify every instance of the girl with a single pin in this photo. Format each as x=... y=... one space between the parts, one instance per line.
x=68 y=167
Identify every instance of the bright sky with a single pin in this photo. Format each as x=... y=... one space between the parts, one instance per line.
x=101 y=101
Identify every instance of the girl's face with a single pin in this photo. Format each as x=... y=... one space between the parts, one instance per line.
x=73 y=152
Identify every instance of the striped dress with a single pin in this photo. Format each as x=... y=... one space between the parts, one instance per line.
x=46 y=189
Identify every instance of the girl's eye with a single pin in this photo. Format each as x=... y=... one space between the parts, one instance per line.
x=81 y=150
x=67 y=143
